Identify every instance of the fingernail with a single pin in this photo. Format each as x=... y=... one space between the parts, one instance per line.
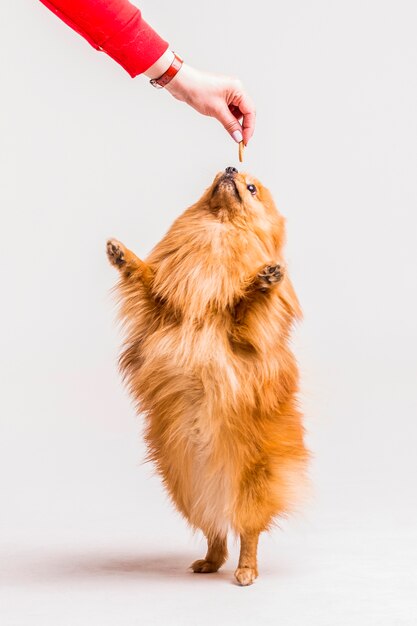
x=237 y=136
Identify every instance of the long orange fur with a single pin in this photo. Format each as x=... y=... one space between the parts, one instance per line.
x=208 y=317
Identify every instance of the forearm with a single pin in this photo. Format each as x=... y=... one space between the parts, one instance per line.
x=114 y=26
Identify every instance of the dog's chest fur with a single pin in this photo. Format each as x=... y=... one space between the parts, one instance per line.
x=207 y=425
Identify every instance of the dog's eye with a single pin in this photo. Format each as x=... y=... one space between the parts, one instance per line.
x=252 y=189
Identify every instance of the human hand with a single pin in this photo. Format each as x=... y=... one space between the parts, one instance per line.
x=218 y=96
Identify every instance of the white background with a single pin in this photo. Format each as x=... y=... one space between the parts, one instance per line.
x=87 y=535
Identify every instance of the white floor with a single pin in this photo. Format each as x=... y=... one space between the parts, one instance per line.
x=315 y=571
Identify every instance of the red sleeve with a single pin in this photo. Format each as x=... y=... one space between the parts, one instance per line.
x=115 y=26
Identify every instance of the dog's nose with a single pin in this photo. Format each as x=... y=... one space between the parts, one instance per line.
x=231 y=170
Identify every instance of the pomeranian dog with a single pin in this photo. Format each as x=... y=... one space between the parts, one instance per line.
x=208 y=317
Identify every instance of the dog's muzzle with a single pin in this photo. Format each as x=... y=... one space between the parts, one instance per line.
x=227 y=181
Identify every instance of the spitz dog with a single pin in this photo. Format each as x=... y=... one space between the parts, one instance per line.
x=208 y=317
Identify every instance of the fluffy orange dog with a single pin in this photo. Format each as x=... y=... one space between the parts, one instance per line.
x=207 y=358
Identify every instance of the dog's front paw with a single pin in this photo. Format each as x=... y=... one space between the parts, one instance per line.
x=246 y=575
x=116 y=253
x=269 y=275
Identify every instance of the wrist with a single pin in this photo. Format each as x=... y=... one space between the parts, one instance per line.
x=161 y=65
x=182 y=82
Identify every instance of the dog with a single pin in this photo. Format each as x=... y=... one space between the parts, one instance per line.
x=208 y=317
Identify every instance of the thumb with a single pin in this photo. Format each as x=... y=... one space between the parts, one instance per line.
x=230 y=123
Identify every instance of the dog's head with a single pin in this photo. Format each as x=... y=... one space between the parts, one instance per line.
x=239 y=200
x=233 y=194
x=219 y=242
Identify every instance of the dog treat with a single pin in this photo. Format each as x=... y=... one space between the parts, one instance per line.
x=241 y=148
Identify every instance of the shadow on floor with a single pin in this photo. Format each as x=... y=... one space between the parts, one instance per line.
x=33 y=568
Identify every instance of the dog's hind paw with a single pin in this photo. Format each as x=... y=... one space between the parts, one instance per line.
x=270 y=275
x=116 y=253
x=204 y=567
x=246 y=575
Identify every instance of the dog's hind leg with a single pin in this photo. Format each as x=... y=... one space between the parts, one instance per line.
x=247 y=569
x=215 y=557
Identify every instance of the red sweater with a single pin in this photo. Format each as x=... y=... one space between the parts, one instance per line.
x=115 y=26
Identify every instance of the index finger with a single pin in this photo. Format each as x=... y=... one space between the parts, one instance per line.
x=247 y=108
x=248 y=126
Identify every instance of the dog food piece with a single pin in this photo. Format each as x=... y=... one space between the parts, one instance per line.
x=241 y=148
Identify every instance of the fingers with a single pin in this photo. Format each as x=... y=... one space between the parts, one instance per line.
x=248 y=126
x=230 y=123
x=248 y=113
x=221 y=97
x=239 y=107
